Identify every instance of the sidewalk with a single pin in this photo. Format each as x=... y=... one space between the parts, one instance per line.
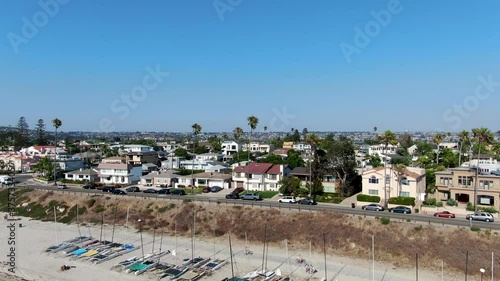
x=349 y=200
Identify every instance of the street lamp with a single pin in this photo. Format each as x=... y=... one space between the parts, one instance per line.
x=482 y=270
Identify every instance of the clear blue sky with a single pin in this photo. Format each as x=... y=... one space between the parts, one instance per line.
x=260 y=58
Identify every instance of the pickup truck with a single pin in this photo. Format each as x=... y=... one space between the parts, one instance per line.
x=251 y=196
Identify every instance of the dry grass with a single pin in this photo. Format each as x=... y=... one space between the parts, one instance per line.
x=396 y=243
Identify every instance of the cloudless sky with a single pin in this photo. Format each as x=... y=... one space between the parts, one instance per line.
x=279 y=60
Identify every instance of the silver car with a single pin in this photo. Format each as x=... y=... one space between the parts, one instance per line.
x=483 y=216
x=373 y=207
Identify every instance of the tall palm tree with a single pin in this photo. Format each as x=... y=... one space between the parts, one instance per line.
x=252 y=122
x=237 y=132
x=265 y=129
x=387 y=138
x=481 y=135
x=56 y=123
x=400 y=171
x=463 y=139
x=196 y=131
x=437 y=140
x=313 y=140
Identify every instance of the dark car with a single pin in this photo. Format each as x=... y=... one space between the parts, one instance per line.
x=150 y=190
x=207 y=189
x=400 y=209
x=373 y=207
x=119 y=192
x=233 y=195
x=133 y=189
x=88 y=186
x=216 y=188
x=164 y=191
x=238 y=190
x=108 y=188
x=307 y=201
x=178 y=192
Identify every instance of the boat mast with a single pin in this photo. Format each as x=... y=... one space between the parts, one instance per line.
x=264 y=250
x=114 y=222
x=78 y=222
x=231 y=253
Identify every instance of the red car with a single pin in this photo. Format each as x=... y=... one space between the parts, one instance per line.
x=444 y=214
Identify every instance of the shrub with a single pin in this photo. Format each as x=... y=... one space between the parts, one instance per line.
x=337 y=200
x=385 y=220
x=452 y=203
x=475 y=228
x=91 y=203
x=439 y=204
x=430 y=202
x=470 y=207
x=418 y=228
x=417 y=210
x=368 y=198
x=405 y=201
x=488 y=209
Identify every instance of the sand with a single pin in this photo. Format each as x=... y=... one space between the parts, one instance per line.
x=35 y=236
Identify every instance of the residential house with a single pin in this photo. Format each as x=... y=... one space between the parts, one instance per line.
x=260 y=176
x=303 y=173
x=209 y=157
x=170 y=147
x=486 y=163
x=381 y=149
x=258 y=147
x=461 y=183
x=87 y=175
x=128 y=148
x=66 y=162
x=165 y=178
x=288 y=145
x=410 y=184
x=139 y=158
x=41 y=150
x=21 y=162
x=302 y=147
x=172 y=162
x=205 y=179
x=148 y=168
x=201 y=165
x=115 y=170
x=230 y=147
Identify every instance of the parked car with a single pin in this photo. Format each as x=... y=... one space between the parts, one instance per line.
x=108 y=188
x=150 y=190
x=164 y=191
x=307 y=201
x=373 y=207
x=88 y=186
x=233 y=195
x=119 y=192
x=288 y=199
x=207 y=189
x=216 y=188
x=133 y=189
x=251 y=196
x=482 y=216
x=238 y=190
x=400 y=209
x=444 y=214
x=99 y=187
x=62 y=186
x=178 y=192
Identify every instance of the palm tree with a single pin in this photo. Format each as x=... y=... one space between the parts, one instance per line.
x=437 y=140
x=400 y=171
x=375 y=129
x=313 y=140
x=387 y=138
x=196 y=131
x=482 y=135
x=463 y=138
x=237 y=132
x=56 y=123
x=252 y=122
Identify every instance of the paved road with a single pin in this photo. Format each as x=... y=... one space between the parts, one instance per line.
x=23 y=181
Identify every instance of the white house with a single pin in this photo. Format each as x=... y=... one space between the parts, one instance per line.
x=41 y=150
x=302 y=147
x=411 y=183
x=260 y=176
x=209 y=157
x=170 y=147
x=230 y=147
x=258 y=147
x=115 y=170
x=381 y=149
x=128 y=148
x=167 y=178
x=87 y=175
x=205 y=179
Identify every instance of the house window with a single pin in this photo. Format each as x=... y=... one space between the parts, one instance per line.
x=445 y=181
x=202 y=181
x=486 y=184
x=328 y=179
x=405 y=181
x=404 y=194
x=250 y=176
x=373 y=191
x=272 y=177
x=255 y=185
x=465 y=180
x=272 y=185
x=373 y=179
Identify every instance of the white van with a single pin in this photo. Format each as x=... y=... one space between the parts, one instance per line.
x=288 y=199
x=5 y=180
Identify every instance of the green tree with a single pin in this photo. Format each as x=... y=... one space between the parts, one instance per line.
x=216 y=143
x=22 y=134
x=57 y=124
x=305 y=132
x=46 y=167
x=181 y=152
x=341 y=162
x=294 y=159
x=374 y=161
x=464 y=142
x=200 y=149
x=41 y=134
x=388 y=138
x=437 y=140
x=400 y=170
x=237 y=133
x=405 y=140
x=289 y=185
x=272 y=158
x=252 y=122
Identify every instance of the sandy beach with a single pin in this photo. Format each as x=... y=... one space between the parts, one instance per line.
x=35 y=236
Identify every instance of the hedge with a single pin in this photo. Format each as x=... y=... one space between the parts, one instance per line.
x=406 y=201
x=368 y=198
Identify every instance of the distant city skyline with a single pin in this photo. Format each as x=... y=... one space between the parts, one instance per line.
x=332 y=66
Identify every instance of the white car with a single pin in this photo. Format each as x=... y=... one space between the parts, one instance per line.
x=62 y=186
x=288 y=199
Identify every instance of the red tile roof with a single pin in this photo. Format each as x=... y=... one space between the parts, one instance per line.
x=259 y=168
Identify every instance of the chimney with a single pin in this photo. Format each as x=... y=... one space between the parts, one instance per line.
x=81 y=169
